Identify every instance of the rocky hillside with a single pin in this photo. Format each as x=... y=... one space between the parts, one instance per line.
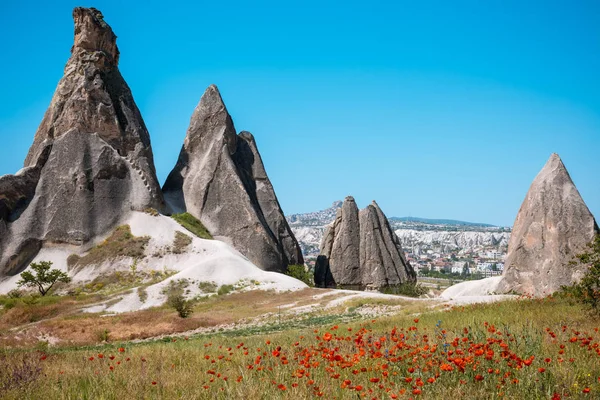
x=309 y=229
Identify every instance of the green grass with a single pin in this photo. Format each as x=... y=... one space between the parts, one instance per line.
x=297 y=359
x=192 y=224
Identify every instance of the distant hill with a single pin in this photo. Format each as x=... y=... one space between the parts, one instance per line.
x=440 y=221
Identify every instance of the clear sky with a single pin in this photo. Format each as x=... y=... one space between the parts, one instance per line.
x=439 y=109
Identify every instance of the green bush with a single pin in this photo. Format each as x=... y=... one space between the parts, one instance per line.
x=300 y=272
x=192 y=224
x=183 y=307
x=225 y=289
x=411 y=289
x=587 y=291
x=207 y=287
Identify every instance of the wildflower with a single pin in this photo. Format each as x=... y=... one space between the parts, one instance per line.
x=478 y=377
x=154 y=382
x=541 y=370
x=121 y=350
x=282 y=387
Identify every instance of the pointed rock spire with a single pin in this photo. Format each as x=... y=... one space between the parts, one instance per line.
x=91 y=161
x=93 y=97
x=552 y=227
x=362 y=251
x=220 y=178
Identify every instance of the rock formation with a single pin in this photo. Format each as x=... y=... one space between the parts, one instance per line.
x=322 y=276
x=91 y=160
x=220 y=179
x=552 y=227
x=362 y=249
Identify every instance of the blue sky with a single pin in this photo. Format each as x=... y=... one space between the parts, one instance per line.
x=433 y=108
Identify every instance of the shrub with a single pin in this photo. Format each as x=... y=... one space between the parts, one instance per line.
x=225 y=289
x=103 y=335
x=207 y=287
x=15 y=294
x=42 y=277
x=142 y=294
x=587 y=291
x=183 y=307
x=411 y=289
x=192 y=224
x=300 y=272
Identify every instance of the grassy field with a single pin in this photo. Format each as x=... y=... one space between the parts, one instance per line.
x=523 y=349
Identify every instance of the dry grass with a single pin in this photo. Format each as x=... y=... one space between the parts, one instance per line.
x=181 y=242
x=121 y=243
x=58 y=321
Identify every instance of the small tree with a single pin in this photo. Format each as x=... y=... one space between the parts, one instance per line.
x=184 y=307
x=44 y=278
x=588 y=289
x=299 y=272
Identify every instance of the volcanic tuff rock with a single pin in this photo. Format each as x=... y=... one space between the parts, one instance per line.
x=552 y=227
x=220 y=178
x=91 y=160
x=363 y=250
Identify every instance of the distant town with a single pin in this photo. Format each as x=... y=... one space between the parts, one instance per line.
x=435 y=248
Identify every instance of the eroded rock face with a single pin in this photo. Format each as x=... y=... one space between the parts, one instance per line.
x=552 y=227
x=91 y=160
x=220 y=178
x=362 y=250
x=93 y=97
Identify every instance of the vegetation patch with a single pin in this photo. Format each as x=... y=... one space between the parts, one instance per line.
x=151 y=211
x=411 y=289
x=121 y=243
x=587 y=291
x=192 y=224
x=225 y=289
x=181 y=242
x=523 y=349
x=208 y=287
x=300 y=272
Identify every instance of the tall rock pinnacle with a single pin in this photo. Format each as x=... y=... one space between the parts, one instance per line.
x=91 y=161
x=552 y=227
x=220 y=178
x=361 y=250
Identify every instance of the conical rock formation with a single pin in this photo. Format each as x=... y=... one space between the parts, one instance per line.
x=91 y=160
x=362 y=249
x=552 y=227
x=220 y=179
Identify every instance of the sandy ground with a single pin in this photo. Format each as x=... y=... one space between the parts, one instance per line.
x=479 y=291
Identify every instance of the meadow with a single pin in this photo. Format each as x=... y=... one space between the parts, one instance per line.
x=520 y=349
